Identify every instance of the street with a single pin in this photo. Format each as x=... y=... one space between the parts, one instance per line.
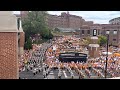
x=45 y=64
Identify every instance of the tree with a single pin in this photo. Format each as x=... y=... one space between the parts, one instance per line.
x=57 y=30
x=35 y=24
x=46 y=34
x=28 y=44
x=102 y=40
x=87 y=41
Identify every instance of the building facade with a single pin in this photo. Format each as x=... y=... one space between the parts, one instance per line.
x=101 y=29
x=114 y=33
x=115 y=21
x=87 y=30
x=9 y=46
x=66 y=20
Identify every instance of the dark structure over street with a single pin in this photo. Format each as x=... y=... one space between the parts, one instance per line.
x=71 y=56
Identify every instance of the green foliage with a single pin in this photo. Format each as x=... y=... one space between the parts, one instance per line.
x=57 y=30
x=28 y=44
x=40 y=41
x=102 y=40
x=88 y=40
x=35 y=24
x=46 y=34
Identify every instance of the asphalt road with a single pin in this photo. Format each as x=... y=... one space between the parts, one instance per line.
x=53 y=73
x=40 y=54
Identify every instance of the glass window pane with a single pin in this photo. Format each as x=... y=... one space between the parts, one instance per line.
x=82 y=31
x=107 y=32
x=115 y=32
x=94 y=32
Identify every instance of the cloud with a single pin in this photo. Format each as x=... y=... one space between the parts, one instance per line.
x=101 y=17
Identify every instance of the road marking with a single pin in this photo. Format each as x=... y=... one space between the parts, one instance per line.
x=50 y=77
x=51 y=72
x=64 y=74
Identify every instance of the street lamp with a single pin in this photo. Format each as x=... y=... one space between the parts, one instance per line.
x=107 y=33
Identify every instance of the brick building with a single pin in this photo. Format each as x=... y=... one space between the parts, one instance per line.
x=89 y=23
x=9 y=45
x=87 y=30
x=54 y=21
x=114 y=35
x=115 y=21
x=66 y=20
x=94 y=47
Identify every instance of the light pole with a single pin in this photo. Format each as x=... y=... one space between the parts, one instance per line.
x=107 y=33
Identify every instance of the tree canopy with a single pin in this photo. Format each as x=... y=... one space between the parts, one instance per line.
x=102 y=40
x=35 y=24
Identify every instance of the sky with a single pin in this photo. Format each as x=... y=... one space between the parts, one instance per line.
x=100 y=17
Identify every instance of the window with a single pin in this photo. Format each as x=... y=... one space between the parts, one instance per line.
x=94 y=32
x=114 y=39
x=98 y=32
x=108 y=31
x=115 y=32
x=18 y=42
x=82 y=31
x=88 y=31
x=18 y=23
x=18 y=33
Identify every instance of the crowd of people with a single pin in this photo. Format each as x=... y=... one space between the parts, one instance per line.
x=23 y=59
x=94 y=64
x=32 y=60
x=46 y=56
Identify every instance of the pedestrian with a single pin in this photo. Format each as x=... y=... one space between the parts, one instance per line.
x=34 y=72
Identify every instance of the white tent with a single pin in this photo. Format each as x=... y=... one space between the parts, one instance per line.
x=104 y=53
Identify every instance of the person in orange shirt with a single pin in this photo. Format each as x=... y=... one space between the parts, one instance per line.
x=86 y=66
x=83 y=67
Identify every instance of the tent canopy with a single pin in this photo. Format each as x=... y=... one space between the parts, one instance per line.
x=104 y=53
